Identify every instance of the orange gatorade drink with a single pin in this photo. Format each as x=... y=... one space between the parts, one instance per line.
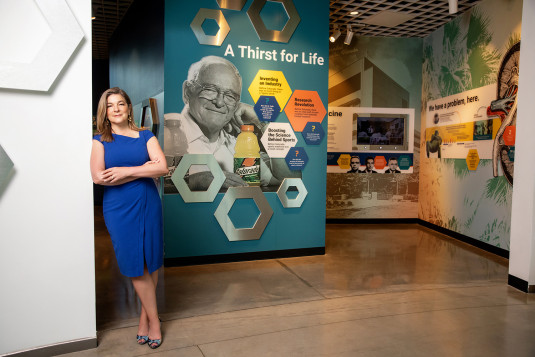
x=247 y=156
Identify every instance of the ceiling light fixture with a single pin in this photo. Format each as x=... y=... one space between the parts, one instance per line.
x=349 y=35
x=354 y=13
x=336 y=34
x=453 y=6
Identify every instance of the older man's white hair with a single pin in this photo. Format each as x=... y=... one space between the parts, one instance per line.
x=196 y=68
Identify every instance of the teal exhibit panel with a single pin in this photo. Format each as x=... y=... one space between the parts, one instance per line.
x=245 y=94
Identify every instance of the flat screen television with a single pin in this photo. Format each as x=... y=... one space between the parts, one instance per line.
x=380 y=132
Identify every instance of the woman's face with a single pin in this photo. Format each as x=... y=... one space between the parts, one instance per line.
x=117 y=109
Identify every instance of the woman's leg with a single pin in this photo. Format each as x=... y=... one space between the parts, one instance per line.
x=146 y=290
x=143 y=328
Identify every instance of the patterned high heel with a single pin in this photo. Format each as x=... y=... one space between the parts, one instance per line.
x=155 y=343
x=141 y=340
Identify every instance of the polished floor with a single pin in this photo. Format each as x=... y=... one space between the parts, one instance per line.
x=380 y=290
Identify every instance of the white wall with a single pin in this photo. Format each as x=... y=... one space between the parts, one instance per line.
x=522 y=254
x=47 y=293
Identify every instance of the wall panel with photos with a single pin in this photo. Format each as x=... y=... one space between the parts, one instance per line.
x=259 y=64
x=373 y=147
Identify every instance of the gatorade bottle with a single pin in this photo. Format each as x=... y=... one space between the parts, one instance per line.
x=247 y=156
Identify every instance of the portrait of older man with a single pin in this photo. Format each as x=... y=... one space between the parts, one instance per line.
x=210 y=122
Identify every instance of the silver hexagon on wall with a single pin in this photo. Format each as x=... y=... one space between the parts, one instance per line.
x=231 y=4
x=40 y=70
x=221 y=214
x=274 y=35
x=183 y=168
x=283 y=196
x=202 y=37
x=6 y=166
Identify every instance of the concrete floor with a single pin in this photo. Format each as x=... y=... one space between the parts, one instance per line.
x=381 y=290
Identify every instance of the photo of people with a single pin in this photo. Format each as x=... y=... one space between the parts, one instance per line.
x=483 y=130
x=355 y=165
x=379 y=130
x=370 y=165
x=392 y=166
x=210 y=122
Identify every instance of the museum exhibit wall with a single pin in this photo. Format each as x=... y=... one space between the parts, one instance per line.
x=46 y=207
x=284 y=69
x=376 y=72
x=467 y=105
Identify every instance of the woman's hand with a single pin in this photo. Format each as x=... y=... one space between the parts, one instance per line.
x=115 y=174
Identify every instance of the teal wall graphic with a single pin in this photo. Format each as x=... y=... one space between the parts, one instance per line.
x=269 y=67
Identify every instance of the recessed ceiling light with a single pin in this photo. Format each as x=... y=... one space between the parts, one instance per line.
x=354 y=13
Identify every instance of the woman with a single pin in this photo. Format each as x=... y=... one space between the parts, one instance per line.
x=125 y=159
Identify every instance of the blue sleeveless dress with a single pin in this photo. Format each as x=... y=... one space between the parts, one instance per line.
x=133 y=210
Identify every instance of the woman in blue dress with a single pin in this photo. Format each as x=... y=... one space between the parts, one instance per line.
x=125 y=159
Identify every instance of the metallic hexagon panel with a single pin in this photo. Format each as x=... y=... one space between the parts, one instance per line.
x=221 y=214
x=182 y=186
x=273 y=35
x=204 y=39
x=6 y=165
x=42 y=70
x=231 y=4
x=283 y=197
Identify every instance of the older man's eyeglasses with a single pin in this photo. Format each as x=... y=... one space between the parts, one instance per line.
x=210 y=92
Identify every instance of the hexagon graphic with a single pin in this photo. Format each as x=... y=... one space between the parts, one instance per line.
x=509 y=135
x=313 y=133
x=404 y=162
x=344 y=161
x=6 y=165
x=277 y=139
x=270 y=83
x=304 y=106
x=41 y=72
x=182 y=186
x=380 y=162
x=273 y=35
x=221 y=213
x=244 y=213
x=267 y=108
x=204 y=39
x=231 y=4
x=472 y=160
x=511 y=154
x=297 y=158
x=283 y=197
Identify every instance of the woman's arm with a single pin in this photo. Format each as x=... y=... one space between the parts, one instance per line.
x=156 y=167
x=118 y=175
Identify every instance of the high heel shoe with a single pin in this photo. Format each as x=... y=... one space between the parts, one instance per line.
x=155 y=343
x=141 y=340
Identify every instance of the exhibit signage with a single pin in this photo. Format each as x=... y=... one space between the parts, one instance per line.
x=244 y=71
x=374 y=140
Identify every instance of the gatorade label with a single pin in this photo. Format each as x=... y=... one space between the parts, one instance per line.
x=249 y=169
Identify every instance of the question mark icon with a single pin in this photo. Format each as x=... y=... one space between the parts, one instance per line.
x=296 y=153
x=313 y=127
x=267 y=100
